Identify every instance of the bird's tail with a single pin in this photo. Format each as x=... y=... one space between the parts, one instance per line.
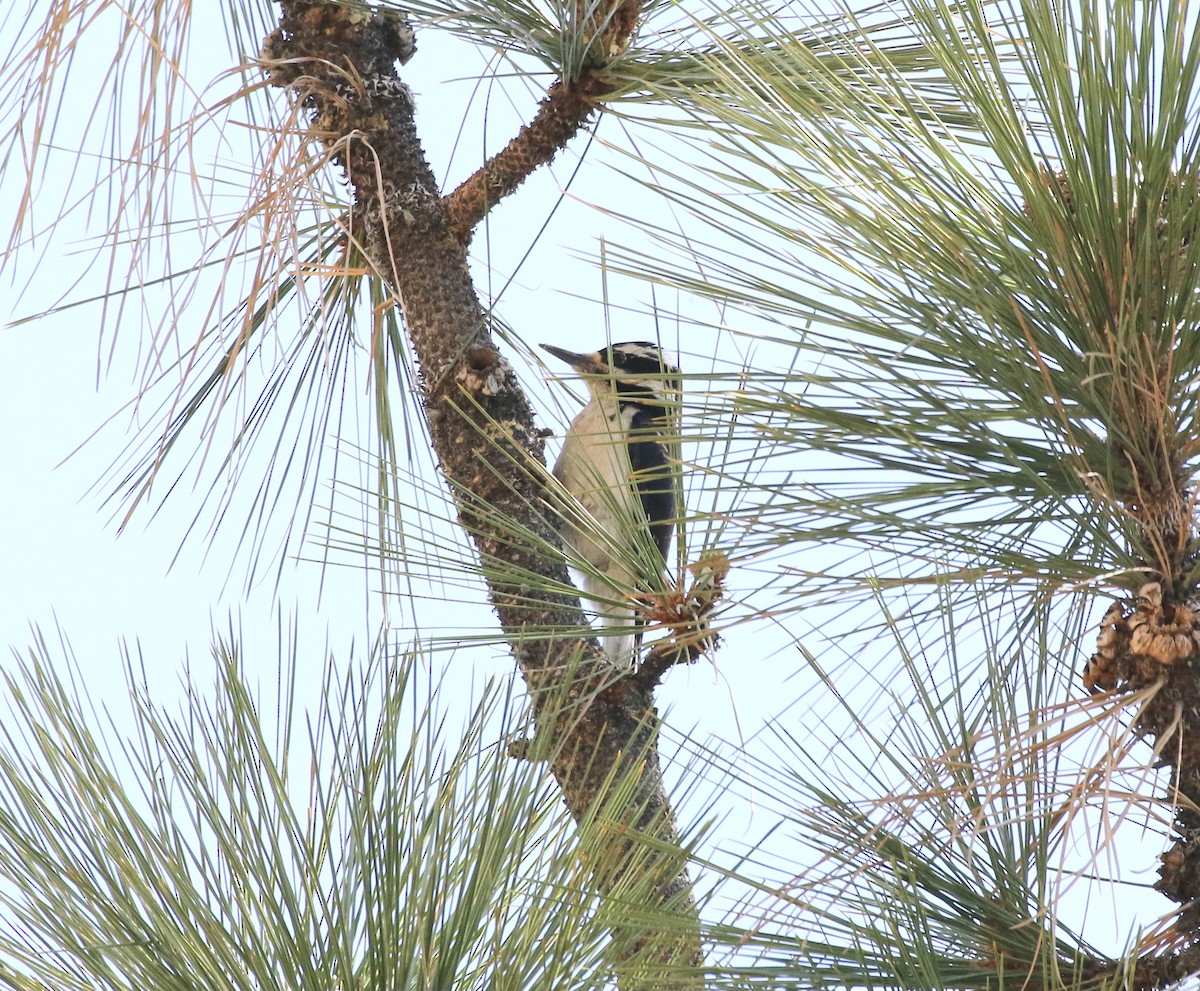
x=620 y=647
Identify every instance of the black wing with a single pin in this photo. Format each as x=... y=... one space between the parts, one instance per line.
x=652 y=474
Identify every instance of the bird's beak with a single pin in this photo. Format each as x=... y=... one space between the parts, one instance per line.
x=585 y=363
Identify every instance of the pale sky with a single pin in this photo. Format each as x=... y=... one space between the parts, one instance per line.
x=65 y=566
x=62 y=561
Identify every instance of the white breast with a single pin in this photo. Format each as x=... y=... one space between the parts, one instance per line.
x=594 y=467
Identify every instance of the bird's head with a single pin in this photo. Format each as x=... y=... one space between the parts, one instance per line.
x=635 y=371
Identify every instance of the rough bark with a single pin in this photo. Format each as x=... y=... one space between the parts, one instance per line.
x=607 y=28
x=560 y=115
x=593 y=726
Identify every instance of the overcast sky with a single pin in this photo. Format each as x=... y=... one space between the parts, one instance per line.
x=64 y=565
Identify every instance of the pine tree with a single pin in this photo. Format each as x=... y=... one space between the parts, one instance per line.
x=931 y=276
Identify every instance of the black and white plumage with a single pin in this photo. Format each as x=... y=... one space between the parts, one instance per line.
x=620 y=463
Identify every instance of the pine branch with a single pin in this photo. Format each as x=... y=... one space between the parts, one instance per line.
x=341 y=63
x=566 y=108
x=560 y=115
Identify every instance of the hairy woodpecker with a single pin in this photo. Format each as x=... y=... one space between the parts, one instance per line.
x=620 y=463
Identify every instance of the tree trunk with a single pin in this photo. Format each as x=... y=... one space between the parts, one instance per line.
x=596 y=727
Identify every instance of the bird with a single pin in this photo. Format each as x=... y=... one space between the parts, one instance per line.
x=620 y=464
